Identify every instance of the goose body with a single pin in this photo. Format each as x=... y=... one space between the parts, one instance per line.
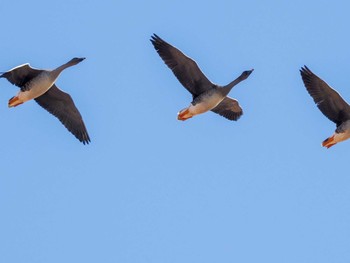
x=40 y=85
x=206 y=95
x=204 y=102
x=330 y=103
x=34 y=88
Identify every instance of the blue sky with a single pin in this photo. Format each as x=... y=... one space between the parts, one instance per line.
x=150 y=188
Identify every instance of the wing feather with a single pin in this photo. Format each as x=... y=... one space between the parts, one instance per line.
x=229 y=108
x=330 y=103
x=184 y=68
x=20 y=75
x=61 y=105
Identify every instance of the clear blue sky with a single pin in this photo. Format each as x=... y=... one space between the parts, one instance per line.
x=150 y=188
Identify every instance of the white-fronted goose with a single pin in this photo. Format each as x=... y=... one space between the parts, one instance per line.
x=40 y=85
x=206 y=95
x=330 y=103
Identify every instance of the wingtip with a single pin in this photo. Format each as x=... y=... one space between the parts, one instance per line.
x=305 y=70
x=86 y=139
x=154 y=37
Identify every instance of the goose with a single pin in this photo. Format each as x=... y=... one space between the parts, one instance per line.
x=39 y=84
x=330 y=103
x=206 y=95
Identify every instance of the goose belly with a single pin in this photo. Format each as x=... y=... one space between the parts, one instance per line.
x=339 y=137
x=342 y=132
x=206 y=104
x=36 y=87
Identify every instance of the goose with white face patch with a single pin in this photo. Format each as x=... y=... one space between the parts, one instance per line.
x=330 y=103
x=206 y=95
x=40 y=85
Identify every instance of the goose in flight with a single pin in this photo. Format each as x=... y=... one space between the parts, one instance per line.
x=206 y=95
x=40 y=85
x=330 y=103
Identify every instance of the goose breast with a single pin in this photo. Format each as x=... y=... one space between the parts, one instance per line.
x=37 y=86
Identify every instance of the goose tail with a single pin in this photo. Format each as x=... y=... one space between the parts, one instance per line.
x=14 y=102
x=329 y=142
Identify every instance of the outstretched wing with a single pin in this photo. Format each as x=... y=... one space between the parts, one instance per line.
x=229 y=108
x=61 y=105
x=20 y=75
x=185 y=69
x=330 y=103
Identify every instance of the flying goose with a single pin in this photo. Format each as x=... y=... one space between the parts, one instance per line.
x=330 y=103
x=206 y=95
x=40 y=85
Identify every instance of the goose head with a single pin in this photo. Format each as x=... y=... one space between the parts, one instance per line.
x=75 y=61
x=245 y=74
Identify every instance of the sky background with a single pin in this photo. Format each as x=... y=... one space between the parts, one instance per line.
x=150 y=188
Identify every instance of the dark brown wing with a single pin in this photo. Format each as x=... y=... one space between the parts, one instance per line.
x=185 y=69
x=61 y=105
x=331 y=104
x=229 y=108
x=20 y=75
